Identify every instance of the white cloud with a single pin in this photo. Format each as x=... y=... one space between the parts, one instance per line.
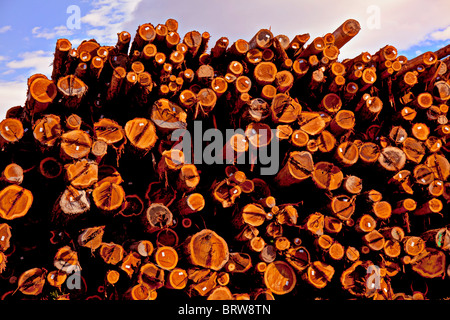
x=59 y=31
x=441 y=34
x=36 y=61
x=107 y=17
x=5 y=29
x=13 y=94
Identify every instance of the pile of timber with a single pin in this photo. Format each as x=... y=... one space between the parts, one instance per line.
x=96 y=202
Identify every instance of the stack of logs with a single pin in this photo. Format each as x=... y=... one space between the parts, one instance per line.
x=97 y=203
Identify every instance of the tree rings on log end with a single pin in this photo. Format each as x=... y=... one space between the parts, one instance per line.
x=15 y=202
x=201 y=246
x=280 y=278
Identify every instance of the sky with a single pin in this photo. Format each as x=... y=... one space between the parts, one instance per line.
x=29 y=29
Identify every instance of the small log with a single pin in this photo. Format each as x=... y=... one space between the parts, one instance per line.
x=298 y=168
x=166 y=257
x=332 y=224
x=252 y=214
x=327 y=176
x=143 y=247
x=75 y=144
x=41 y=93
x=82 y=174
x=11 y=130
x=404 y=206
x=366 y=223
x=140 y=291
x=374 y=240
x=284 y=80
x=319 y=274
x=315 y=223
x=238 y=48
x=265 y=73
x=111 y=253
x=280 y=278
x=347 y=153
x=300 y=68
x=5 y=237
x=152 y=276
x=392 y=158
x=73 y=90
x=108 y=196
x=431 y=264
x=439 y=165
x=311 y=122
x=200 y=246
x=157 y=217
x=13 y=173
x=352 y=254
x=262 y=40
x=190 y=204
x=91 y=237
x=343 y=206
x=32 y=281
x=402 y=180
x=141 y=133
x=66 y=260
x=15 y=202
x=188 y=178
x=167 y=116
x=436 y=188
x=74 y=202
x=433 y=205
x=56 y=278
x=268 y=254
x=177 y=279
x=285 y=109
x=256 y=244
x=382 y=209
x=413 y=245
x=353 y=184
x=345 y=32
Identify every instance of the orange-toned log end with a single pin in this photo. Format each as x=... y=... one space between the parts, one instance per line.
x=392 y=248
x=192 y=203
x=141 y=133
x=324 y=242
x=47 y=130
x=56 y=278
x=73 y=122
x=319 y=274
x=343 y=121
x=143 y=247
x=280 y=278
x=268 y=92
x=15 y=202
x=82 y=174
x=311 y=122
x=108 y=196
x=112 y=276
x=298 y=258
x=262 y=39
x=207 y=99
x=431 y=265
x=366 y=223
x=420 y=131
x=257 y=244
x=207 y=249
x=66 y=260
x=74 y=202
x=91 y=237
x=353 y=184
x=258 y=134
x=168 y=116
x=32 y=281
x=166 y=257
x=188 y=178
x=436 y=188
x=347 y=153
x=111 y=253
x=108 y=130
x=299 y=138
x=284 y=131
x=177 y=279
x=433 y=205
x=72 y=87
x=299 y=167
x=219 y=85
x=392 y=158
x=423 y=174
x=352 y=254
x=5 y=236
x=75 y=144
x=346 y=32
x=327 y=176
x=343 y=206
x=440 y=166
x=369 y=152
x=382 y=209
x=158 y=216
x=265 y=73
x=13 y=173
x=331 y=103
x=140 y=291
x=11 y=130
x=315 y=223
x=220 y=293
x=285 y=109
x=239 y=48
x=374 y=240
x=336 y=251
x=152 y=276
x=42 y=92
x=284 y=80
x=413 y=149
